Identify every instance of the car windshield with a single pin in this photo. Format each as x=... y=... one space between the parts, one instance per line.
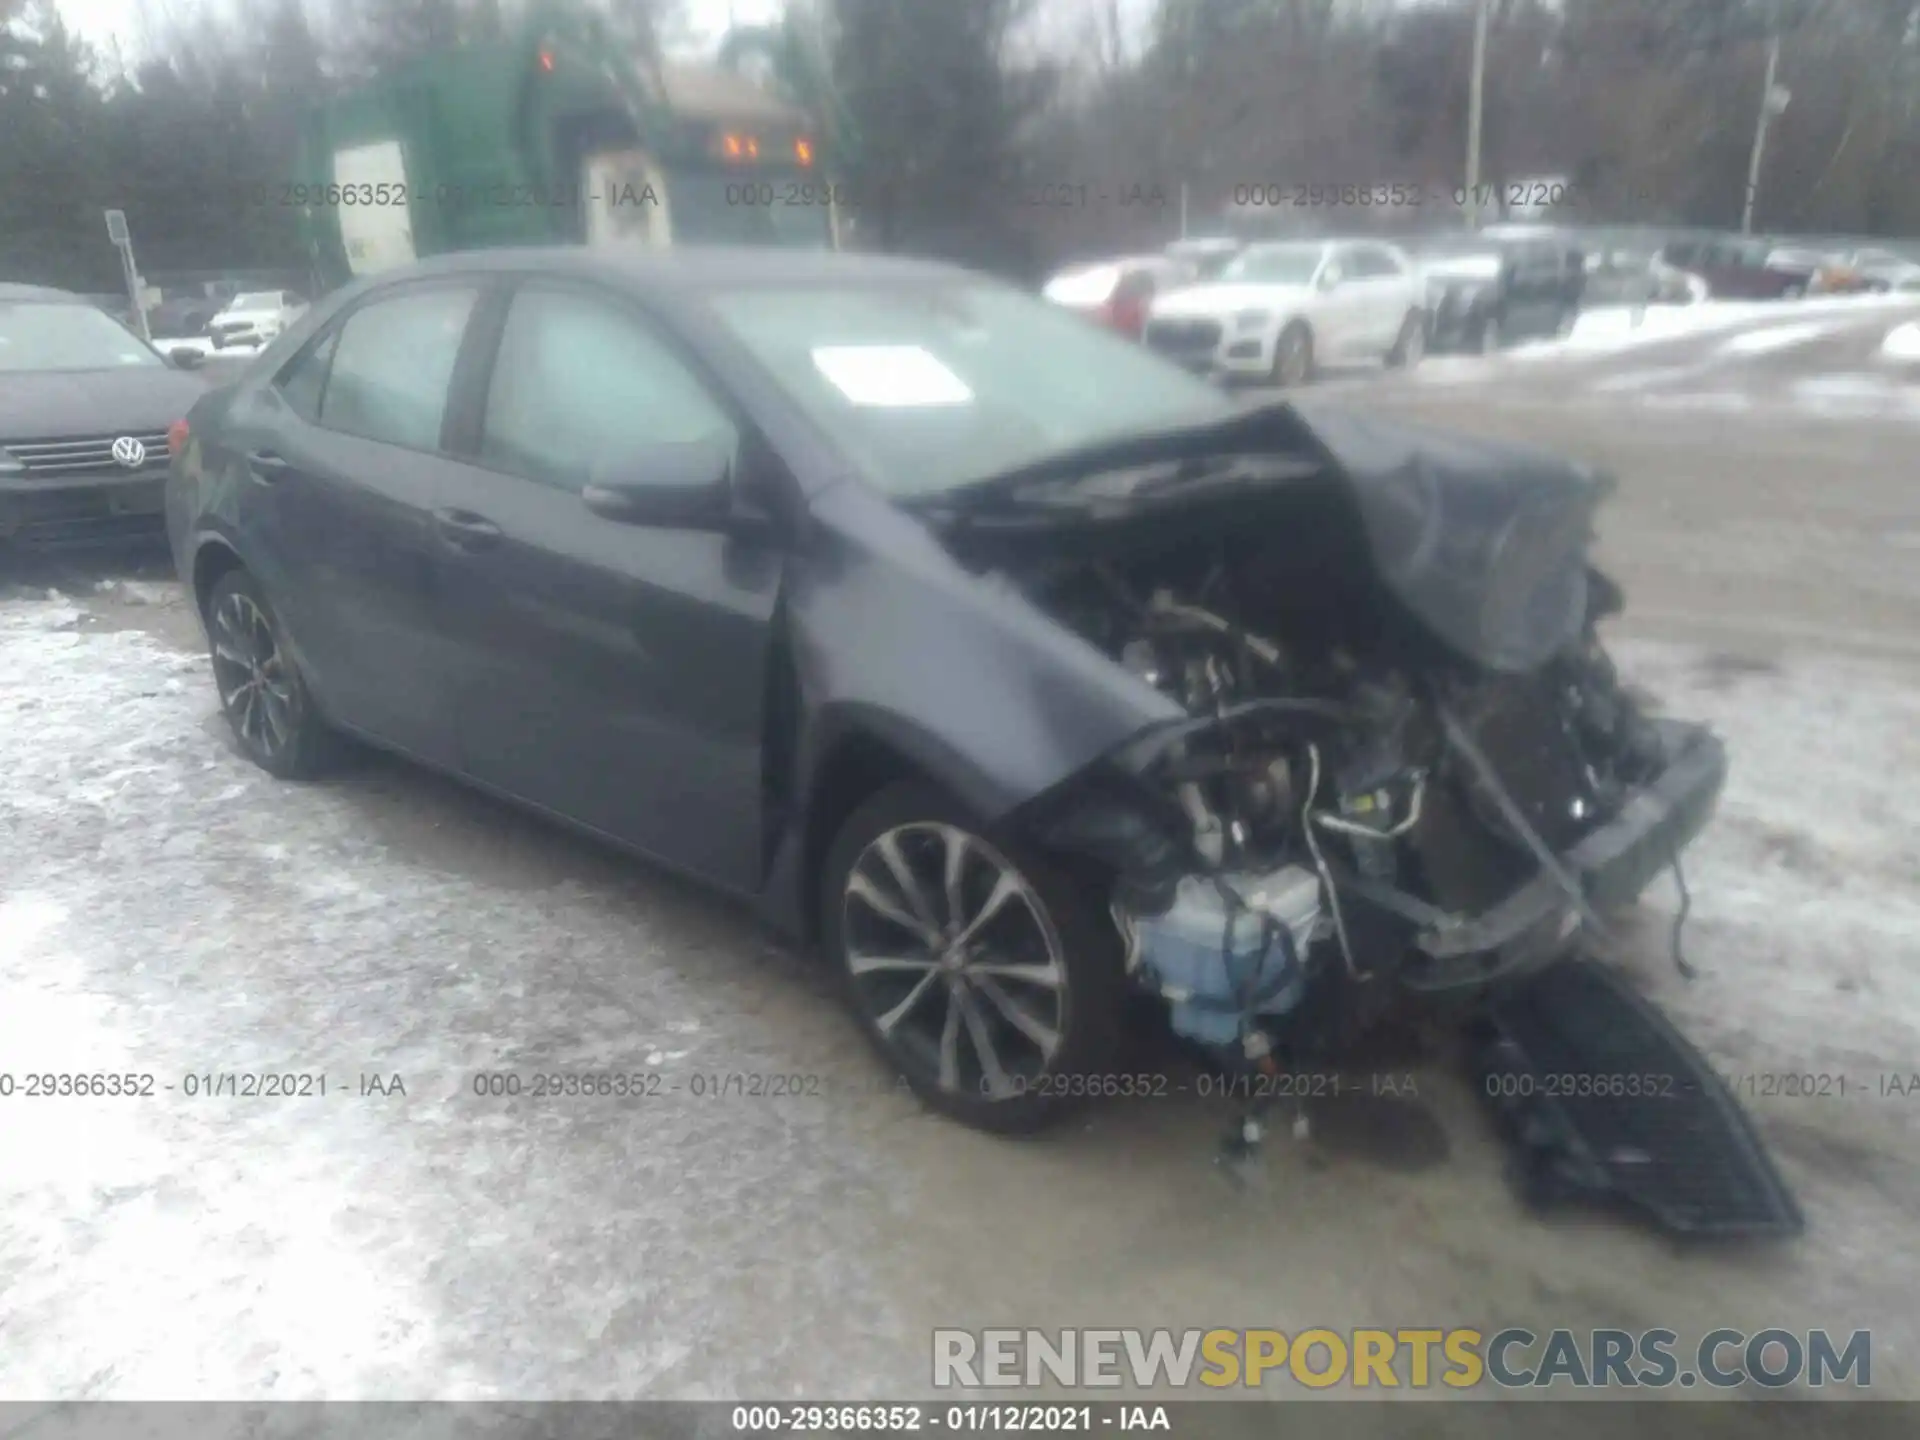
x=1275 y=264
x=41 y=335
x=934 y=386
x=264 y=300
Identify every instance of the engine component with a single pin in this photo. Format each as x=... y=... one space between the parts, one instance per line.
x=1228 y=948
x=1209 y=837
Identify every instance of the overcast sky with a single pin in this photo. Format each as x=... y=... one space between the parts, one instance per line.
x=102 y=23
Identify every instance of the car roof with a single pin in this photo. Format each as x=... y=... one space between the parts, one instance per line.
x=678 y=268
x=35 y=292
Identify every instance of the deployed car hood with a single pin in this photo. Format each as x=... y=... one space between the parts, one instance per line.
x=54 y=405
x=1484 y=543
x=1217 y=301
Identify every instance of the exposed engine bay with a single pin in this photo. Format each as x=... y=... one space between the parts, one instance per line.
x=1351 y=801
x=1398 y=770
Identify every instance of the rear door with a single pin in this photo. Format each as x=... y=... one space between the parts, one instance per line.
x=611 y=673
x=1394 y=293
x=343 y=463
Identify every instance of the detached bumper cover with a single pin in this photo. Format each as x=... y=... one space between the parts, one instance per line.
x=1612 y=864
x=1607 y=1101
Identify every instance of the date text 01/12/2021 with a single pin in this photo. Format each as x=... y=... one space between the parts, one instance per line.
x=1521 y=196
x=197 y=1084
x=802 y=1419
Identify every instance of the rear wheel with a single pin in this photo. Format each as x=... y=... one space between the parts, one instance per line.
x=1293 y=356
x=991 y=982
x=1411 y=345
x=262 y=692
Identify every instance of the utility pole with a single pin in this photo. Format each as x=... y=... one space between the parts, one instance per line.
x=1473 y=113
x=1773 y=99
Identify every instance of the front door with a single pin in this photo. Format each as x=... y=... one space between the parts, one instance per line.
x=612 y=673
x=1341 y=311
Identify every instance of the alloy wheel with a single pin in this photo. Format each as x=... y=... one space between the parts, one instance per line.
x=1292 y=366
x=954 y=961
x=255 y=685
x=1414 y=346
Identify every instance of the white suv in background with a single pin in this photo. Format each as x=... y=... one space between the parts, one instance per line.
x=1281 y=308
x=255 y=317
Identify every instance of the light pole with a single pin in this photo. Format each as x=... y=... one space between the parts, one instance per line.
x=1478 y=85
x=1773 y=99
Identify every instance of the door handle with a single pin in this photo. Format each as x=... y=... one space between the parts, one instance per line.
x=465 y=530
x=265 y=467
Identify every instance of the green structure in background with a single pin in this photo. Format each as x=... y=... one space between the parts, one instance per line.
x=559 y=136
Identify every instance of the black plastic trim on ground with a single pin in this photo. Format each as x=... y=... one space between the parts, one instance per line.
x=1566 y=1043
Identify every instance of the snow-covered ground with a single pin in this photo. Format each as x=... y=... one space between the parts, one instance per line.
x=1902 y=342
x=1812 y=866
x=1609 y=328
x=205 y=346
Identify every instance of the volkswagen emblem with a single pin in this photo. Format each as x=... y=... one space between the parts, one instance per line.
x=129 y=452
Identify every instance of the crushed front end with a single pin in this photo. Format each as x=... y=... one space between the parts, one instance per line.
x=1408 y=771
x=1435 y=831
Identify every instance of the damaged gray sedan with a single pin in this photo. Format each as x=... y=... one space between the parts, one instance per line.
x=1018 y=670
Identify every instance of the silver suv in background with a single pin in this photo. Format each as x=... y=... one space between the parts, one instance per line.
x=1279 y=310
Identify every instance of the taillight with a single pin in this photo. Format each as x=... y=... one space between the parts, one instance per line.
x=176 y=437
x=1129 y=317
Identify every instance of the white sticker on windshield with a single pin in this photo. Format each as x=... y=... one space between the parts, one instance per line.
x=890 y=375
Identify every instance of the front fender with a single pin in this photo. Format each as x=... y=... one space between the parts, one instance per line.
x=979 y=688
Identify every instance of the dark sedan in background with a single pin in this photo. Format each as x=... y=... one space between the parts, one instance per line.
x=85 y=410
x=1017 y=669
x=1487 y=289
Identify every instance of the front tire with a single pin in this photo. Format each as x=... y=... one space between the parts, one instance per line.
x=1411 y=344
x=1293 y=356
x=987 y=979
x=262 y=692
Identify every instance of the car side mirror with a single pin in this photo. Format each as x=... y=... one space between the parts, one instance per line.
x=1330 y=279
x=676 y=486
x=185 y=357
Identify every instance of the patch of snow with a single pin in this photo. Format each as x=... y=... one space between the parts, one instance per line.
x=167 y=910
x=1902 y=342
x=1607 y=328
x=1848 y=395
x=1719 y=402
x=1777 y=337
x=1643 y=379
x=1455 y=370
x=1806 y=886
